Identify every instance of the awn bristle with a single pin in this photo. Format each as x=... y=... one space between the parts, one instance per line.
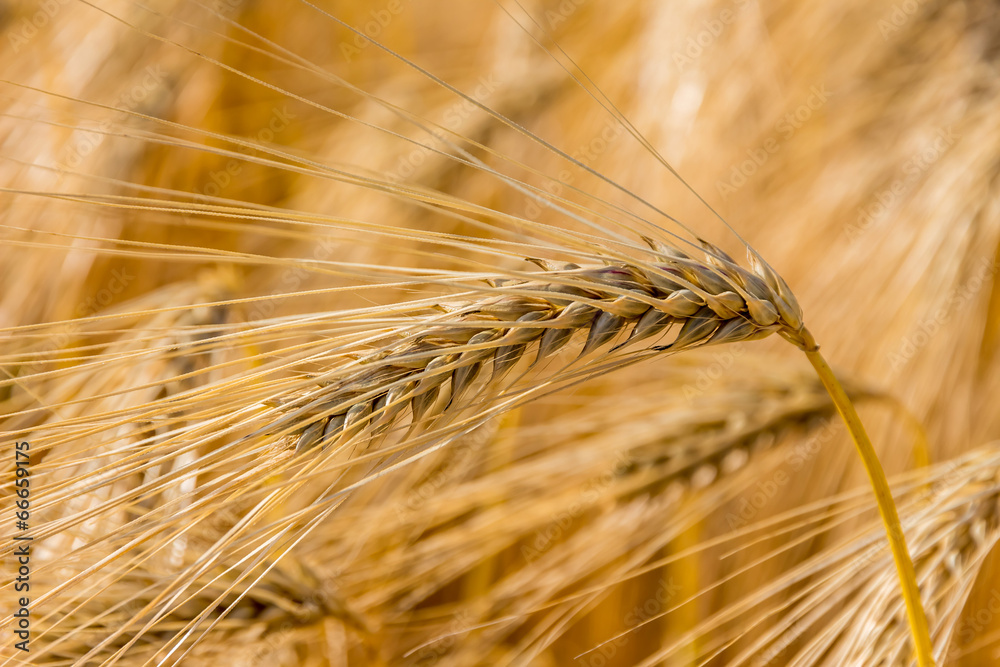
x=853 y=613
x=689 y=452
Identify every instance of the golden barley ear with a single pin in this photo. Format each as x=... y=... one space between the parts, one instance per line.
x=707 y=305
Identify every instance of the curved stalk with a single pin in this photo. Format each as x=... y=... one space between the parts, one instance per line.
x=886 y=507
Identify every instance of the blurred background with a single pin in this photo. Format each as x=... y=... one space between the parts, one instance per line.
x=155 y=157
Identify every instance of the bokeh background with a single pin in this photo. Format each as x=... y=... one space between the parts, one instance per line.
x=853 y=144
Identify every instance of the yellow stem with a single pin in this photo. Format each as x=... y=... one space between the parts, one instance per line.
x=886 y=507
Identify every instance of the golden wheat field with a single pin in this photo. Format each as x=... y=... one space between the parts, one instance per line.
x=439 y=333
